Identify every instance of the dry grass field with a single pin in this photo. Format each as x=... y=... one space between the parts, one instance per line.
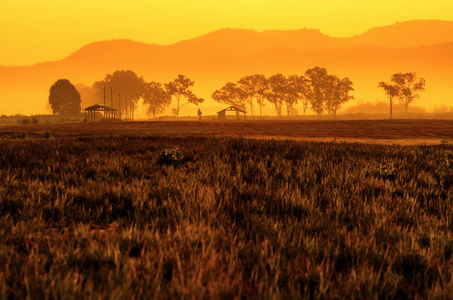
x=188 y=210
x=403 y=131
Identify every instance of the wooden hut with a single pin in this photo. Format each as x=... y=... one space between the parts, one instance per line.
x=222 y=114
x=90 y=112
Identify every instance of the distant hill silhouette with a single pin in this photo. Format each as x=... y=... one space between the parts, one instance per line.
x=227 y=54
x=408 y=34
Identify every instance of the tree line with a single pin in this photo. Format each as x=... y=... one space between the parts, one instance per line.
x=128 y=89
x=318 y=89
x=324 y=93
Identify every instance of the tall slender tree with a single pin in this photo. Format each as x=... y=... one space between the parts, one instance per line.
x=262 y=92
x=301 y=88
x=179 y=89
x=318 y=89
x=392 y=91
x=341 y=90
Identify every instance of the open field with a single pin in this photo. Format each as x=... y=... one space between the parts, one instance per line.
x=107 y=216
x=408 y=131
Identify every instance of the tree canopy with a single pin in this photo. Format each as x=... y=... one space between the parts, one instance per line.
x=155 y=98
x=253 y=87
x=317 y=93
x=300 y=86
x=64 y=99
x=231 y=94
x=279 y=92
x=340 y=93
x=327 y=92
x=127 y=83
x=408 y=87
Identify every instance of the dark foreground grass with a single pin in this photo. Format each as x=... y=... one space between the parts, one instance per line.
x=104 y=218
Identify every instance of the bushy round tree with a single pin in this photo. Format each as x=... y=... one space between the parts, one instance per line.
x=64 y=99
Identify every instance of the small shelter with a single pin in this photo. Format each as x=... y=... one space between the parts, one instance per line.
x=90 y=112
x=222 y=114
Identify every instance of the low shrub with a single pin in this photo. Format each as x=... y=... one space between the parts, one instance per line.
x=387 y=171
x=169 y=157
x=48 y=135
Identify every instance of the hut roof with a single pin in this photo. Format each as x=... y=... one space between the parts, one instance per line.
x=232 y=108
x=98 y=107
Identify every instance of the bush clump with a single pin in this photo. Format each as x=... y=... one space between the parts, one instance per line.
x=48 y=135
x=387 y=171
x=169 y=157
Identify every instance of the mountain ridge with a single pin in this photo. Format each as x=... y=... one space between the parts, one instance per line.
x=437 y=32
x=227 y=54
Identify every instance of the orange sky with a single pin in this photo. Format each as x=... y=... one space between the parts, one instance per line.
x=33 y=31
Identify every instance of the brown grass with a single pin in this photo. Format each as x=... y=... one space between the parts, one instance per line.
x=369 y=131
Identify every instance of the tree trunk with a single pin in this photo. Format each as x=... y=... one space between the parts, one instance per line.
x=391 y=108
x=278 y=109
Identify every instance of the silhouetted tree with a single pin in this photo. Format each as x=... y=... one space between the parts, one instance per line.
x=409 y=86
x=300 y=87
x=253 y=87
x=327 y=92
x=318 y=88
x=231 y=94
x=179 y=88
x=331 y=82
x=340 y=94
x=392 y=91
x=64 y=99
x=127 y=83
x=87 y=94
x=262 y=92
x=279 y=92
x=155 y=98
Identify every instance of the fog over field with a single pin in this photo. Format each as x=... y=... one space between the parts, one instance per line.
x=226 y=55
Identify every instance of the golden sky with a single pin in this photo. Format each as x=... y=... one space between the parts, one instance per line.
x=39 y=30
